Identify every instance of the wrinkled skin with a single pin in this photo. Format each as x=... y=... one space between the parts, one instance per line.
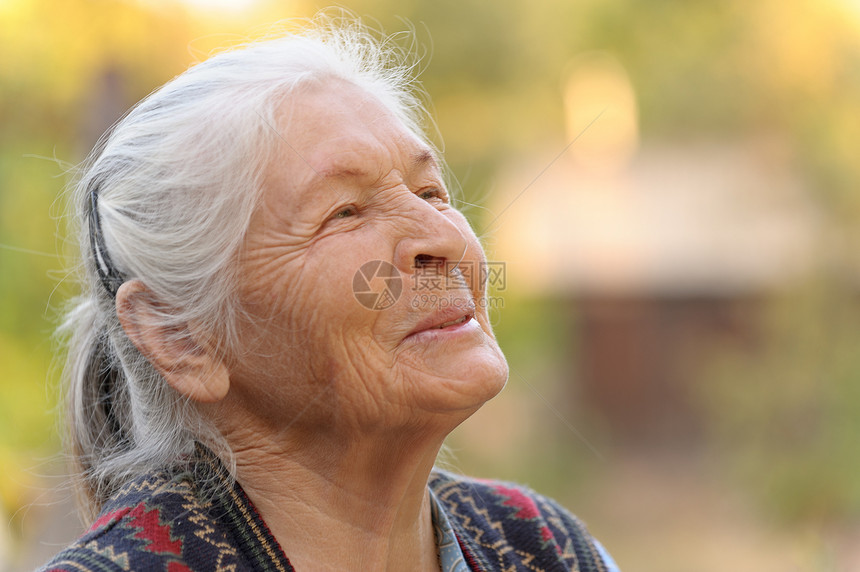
x=349 y=184
x=336 y=412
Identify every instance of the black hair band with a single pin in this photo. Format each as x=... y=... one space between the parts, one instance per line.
x=110 y=277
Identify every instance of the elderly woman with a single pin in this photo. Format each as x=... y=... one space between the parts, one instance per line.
x=233 y=403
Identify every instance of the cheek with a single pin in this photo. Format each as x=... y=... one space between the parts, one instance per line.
x=303 y=305
x=267 y=275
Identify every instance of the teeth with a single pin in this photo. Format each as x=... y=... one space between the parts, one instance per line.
x=453 y=322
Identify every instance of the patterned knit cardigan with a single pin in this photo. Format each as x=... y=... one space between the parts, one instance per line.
x=168 y=522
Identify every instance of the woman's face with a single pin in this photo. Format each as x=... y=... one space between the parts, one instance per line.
x=349 y=185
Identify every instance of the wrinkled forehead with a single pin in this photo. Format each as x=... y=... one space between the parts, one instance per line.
x=333 y=130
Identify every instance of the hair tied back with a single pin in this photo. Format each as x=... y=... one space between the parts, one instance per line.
x=110 y=277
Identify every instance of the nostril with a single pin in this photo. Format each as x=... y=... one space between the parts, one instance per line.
x=426 y=260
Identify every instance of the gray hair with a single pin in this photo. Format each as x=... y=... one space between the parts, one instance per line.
x=174 y=185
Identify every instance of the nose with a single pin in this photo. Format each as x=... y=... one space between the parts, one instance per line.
x=430 y=239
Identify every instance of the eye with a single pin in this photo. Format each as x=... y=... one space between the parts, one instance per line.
x=346 y=212
x=434 y=193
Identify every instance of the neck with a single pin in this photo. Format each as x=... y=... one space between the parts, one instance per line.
x=343 y=504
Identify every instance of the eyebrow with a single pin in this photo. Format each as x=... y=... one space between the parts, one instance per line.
x=421 y=159
x=424 y=158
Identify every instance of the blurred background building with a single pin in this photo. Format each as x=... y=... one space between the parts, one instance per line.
x=672 y=188
x=656 y=253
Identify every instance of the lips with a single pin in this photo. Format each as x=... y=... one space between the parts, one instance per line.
x=446 y=318
x=459 y=320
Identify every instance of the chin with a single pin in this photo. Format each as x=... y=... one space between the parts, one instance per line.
x=466 y=384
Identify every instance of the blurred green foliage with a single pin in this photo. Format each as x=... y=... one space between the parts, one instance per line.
x=701 y=70
x=787 y=412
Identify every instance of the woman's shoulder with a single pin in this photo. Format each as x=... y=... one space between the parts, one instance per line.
x=155 y=522
x=511 y=525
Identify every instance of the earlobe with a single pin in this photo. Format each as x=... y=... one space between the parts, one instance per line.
x=179 y=354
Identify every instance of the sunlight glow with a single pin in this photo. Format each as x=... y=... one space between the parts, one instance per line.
x=221 y=6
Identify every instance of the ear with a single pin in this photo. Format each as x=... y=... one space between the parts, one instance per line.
x=179 y=354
